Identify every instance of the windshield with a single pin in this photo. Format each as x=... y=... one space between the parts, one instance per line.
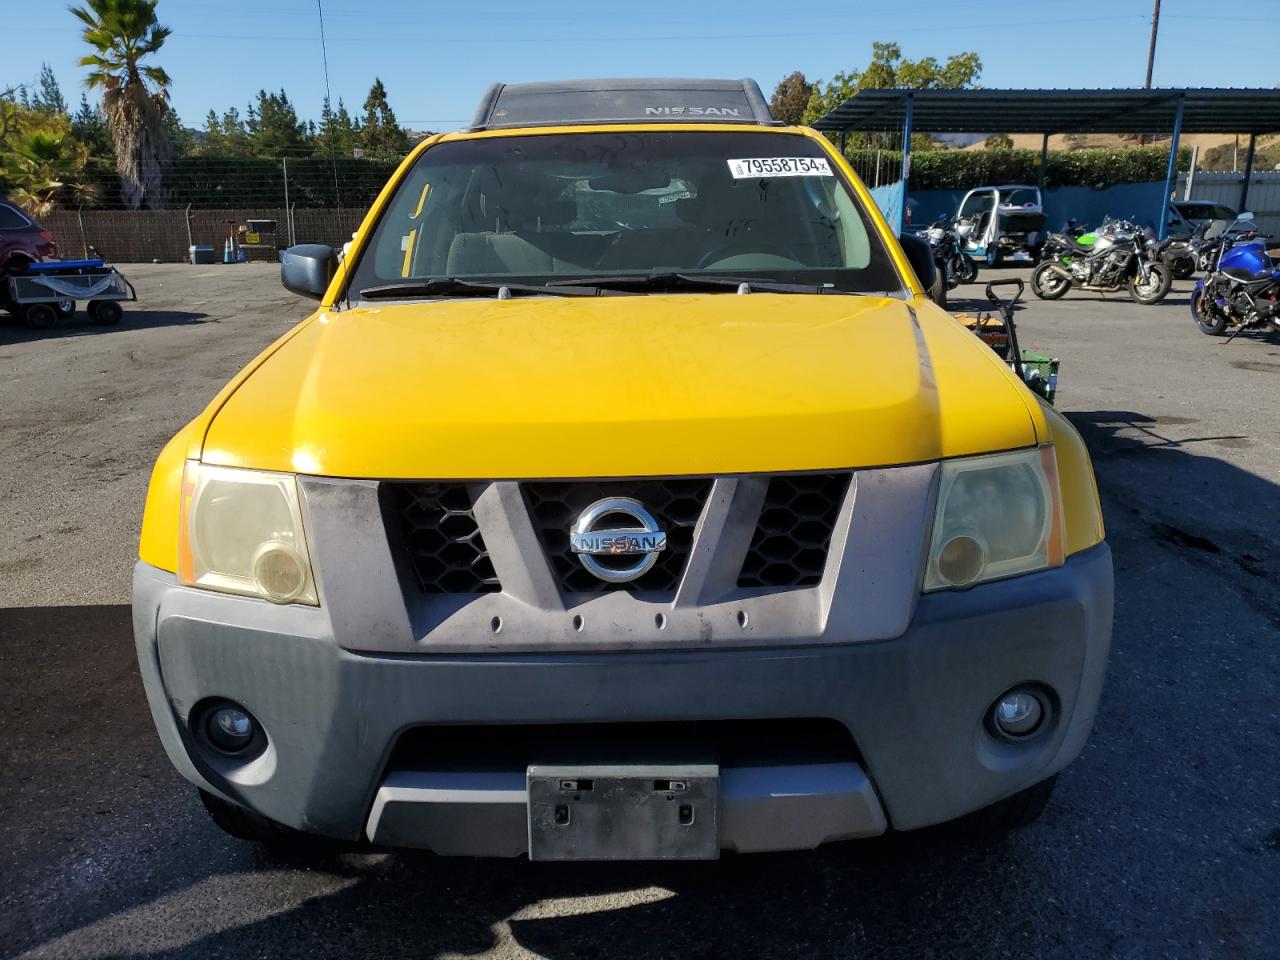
x=1206 y=211
x=545 y=208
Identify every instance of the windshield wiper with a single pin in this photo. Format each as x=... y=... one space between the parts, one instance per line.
x=688 y=281
x=452 y=287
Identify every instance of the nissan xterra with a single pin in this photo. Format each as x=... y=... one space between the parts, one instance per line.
x=624 y=497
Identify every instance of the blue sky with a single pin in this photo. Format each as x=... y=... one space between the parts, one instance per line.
x=436 y=58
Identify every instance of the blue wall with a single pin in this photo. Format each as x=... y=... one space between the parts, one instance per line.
x=1139 y=202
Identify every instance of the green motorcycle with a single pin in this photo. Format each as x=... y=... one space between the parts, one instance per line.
x=1117 y=256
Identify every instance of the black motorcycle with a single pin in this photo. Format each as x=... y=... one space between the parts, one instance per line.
x=953 y=265
x=1211 y=239
x=1117 y=256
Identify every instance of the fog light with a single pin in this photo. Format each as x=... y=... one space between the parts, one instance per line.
x=1018 y=713
x=229 y=729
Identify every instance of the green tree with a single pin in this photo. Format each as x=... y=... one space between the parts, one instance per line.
x=135 y=95
x=339 y=135
x=44 y=165
x=48 y=97
x=889 y=69
x=790 y=97
x=998 y=141
x=225 y=136
x=274 y=129
x=89 y=127
x=382 y=135
x=182 y=140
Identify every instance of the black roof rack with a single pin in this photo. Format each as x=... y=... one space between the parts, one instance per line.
x=507 y=105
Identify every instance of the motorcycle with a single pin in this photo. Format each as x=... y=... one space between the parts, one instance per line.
x=1118 y=255
x=1242 y=291
x=1210 y=239
x=1180 y=257
x=953 y=266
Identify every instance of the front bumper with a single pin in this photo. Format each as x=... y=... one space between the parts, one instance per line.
x=914 y=706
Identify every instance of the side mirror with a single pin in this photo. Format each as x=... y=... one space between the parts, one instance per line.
x=1247 y=215
x=307 y=269
x=921 y=259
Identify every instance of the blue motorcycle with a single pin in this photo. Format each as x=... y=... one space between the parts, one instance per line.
x=1242 y=291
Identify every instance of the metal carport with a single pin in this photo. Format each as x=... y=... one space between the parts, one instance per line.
x=1192 y=110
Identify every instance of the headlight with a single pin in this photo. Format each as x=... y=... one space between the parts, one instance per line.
x=241 y=532
x=998 y=516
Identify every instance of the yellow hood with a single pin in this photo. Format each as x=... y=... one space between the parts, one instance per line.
x=622 y=386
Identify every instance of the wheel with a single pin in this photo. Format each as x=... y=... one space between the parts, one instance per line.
x=993 y=256
x=1011 y=813
x=938 y=289
x=1050 y=282
x=40 y=316
x=106 y=313
x=966 y=269
x=1211 y=322
x=1156 y=286
x=66 y=307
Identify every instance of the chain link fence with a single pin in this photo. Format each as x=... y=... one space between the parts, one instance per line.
x=208 y=200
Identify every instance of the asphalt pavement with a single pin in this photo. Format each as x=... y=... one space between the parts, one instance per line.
x=1163 y=839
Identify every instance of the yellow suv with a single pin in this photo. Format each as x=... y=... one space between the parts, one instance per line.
x=623 y=498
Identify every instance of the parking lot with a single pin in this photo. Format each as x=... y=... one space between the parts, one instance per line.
x=1163 y=839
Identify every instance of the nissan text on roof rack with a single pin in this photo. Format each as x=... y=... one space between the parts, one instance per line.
x=623 y=498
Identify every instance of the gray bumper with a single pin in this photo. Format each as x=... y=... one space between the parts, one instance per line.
x=914 y=707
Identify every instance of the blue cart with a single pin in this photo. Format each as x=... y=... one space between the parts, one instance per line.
x=43 y=292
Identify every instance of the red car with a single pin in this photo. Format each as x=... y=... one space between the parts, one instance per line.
x=22 y=240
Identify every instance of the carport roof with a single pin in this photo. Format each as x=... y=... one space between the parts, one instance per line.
x=1205 y=110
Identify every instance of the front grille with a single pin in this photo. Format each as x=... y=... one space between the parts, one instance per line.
x=791 y=540
x=440 y=539
x=676 y=505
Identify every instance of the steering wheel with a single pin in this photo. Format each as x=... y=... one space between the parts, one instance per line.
x=747 y=245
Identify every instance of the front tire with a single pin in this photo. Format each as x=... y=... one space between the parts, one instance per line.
x=40 y=316
x=1214 y=323
x=938 y=289
x=1050 y=282
x=105 y=313
x=966 y=271
x=1155 y=289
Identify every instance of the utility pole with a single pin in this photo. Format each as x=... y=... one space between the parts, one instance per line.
x=1151 y=60
x=1151 y=50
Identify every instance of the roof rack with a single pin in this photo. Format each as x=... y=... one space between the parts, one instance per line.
x=508 y=105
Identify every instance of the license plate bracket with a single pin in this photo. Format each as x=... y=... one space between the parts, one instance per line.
x=624 y=812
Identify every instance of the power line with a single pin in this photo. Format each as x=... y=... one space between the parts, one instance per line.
x=324 y=53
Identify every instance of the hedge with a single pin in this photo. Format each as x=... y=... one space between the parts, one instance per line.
x=965 y=169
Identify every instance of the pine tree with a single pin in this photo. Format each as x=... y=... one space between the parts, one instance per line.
x=338 y=135
x=89 y=126
x=382 y=135
x=274 y=129
x=48 y=97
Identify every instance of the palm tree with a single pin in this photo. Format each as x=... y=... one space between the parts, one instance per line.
x=135 y=98
x=43 y=167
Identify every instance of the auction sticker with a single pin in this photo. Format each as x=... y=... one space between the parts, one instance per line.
x=779 y=167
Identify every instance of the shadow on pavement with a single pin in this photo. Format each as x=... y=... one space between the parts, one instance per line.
x=13 y=330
